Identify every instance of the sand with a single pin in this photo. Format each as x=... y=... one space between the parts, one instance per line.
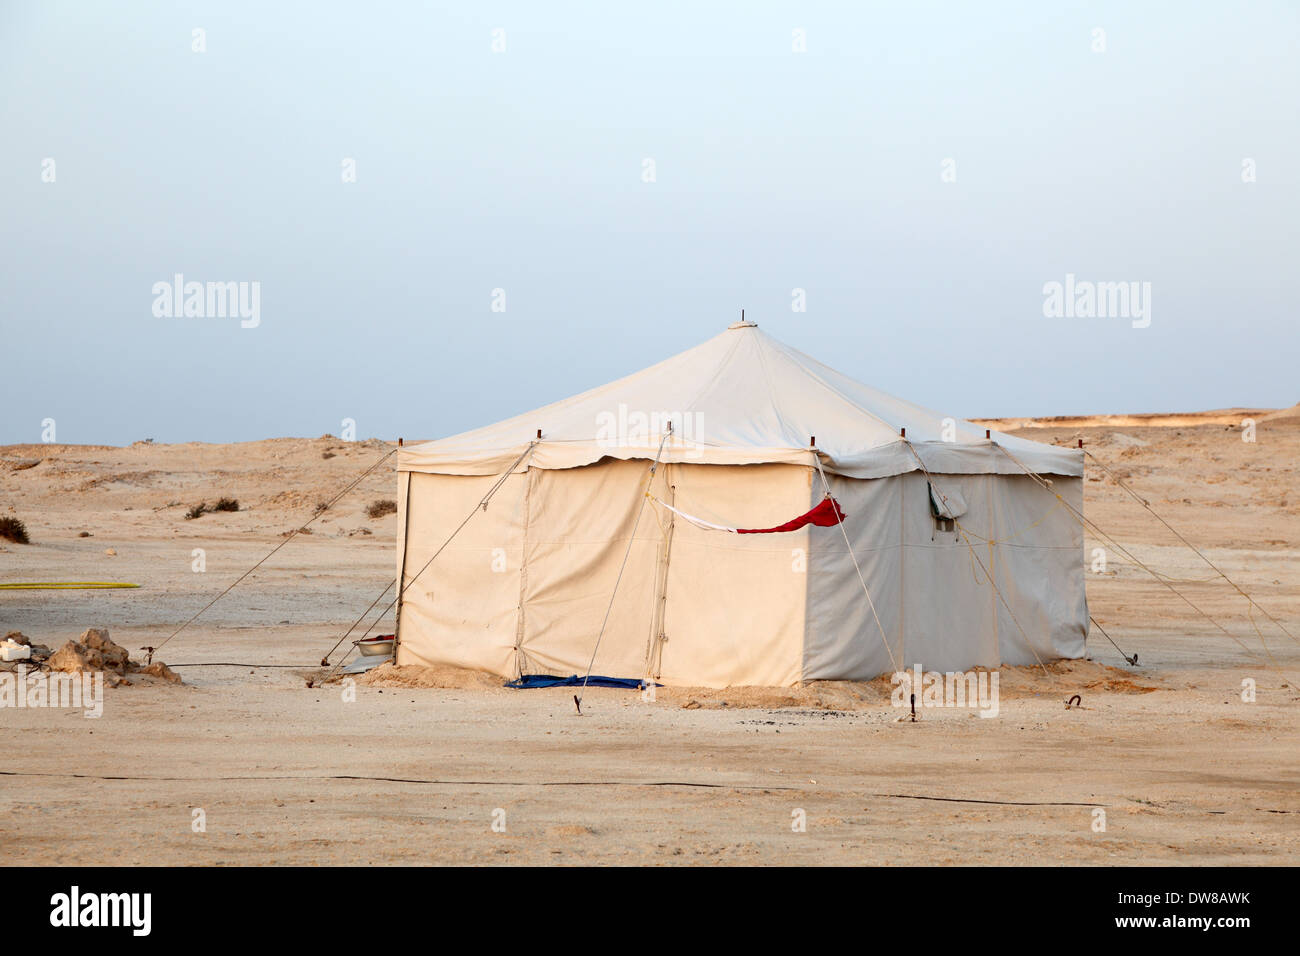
x=446 y=766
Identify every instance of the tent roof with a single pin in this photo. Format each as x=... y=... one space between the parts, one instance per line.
x=740 y=398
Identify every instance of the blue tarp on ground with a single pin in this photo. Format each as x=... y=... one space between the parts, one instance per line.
x=529 y=681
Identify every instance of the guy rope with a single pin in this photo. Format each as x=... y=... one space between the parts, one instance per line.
x=857 y=567
x=1197 y=551
x=482 y=505
x=152 y=650
x=987 y=574
x=1090 y=525
x=654 y=465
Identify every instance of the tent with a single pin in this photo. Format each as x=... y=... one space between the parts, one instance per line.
x=607 y=541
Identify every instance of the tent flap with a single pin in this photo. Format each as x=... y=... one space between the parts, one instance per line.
x=948 y=503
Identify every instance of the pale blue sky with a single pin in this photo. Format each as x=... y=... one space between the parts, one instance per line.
x=522 y=170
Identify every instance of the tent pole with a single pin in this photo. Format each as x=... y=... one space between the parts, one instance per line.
x=523 y=574
x=991 y=570
x=902 y=569
x=654 y=652
x=401 y=574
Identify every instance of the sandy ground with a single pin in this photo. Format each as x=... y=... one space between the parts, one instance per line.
x=420 y=765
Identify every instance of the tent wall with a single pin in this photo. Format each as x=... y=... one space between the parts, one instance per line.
x=461 y=611
x=735 y=605
x=949 y=606
x=523 y=588
x=932 y=596
x=843 y=641
x=579 y=522
x=1039 y=567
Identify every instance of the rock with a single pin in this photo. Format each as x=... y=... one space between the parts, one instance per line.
x=159 y=669
x=115 y=656
x=93 y=651
x=73 y=658
x=17 y=637
x=111 y=552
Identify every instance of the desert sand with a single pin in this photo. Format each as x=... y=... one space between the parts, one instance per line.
x=422 y=764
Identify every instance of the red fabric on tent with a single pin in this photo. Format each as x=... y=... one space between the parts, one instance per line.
x=825 y=515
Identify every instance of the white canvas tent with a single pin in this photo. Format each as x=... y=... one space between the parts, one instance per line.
x=964 y=558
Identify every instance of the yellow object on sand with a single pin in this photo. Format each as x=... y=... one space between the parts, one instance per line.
x=62 y=585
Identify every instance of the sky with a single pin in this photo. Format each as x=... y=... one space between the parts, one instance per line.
x=630 y=177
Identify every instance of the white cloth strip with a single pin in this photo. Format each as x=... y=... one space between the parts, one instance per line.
x=698 y=522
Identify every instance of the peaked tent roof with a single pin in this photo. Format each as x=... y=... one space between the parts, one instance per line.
x=740 y=398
